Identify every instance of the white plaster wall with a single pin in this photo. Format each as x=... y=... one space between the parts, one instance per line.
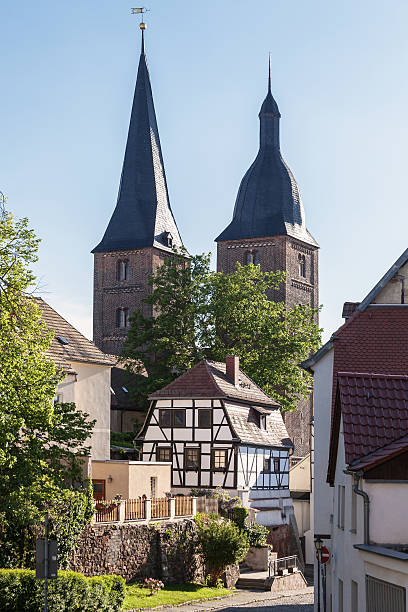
x=388 y=512
x=391 y=294
x=91 y=394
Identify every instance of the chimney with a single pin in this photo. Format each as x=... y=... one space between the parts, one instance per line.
x=232 y=368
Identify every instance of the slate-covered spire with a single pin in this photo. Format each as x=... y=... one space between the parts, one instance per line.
x=143 y=215
x=268 y=201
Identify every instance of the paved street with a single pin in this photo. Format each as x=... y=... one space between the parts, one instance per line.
x=257 y=601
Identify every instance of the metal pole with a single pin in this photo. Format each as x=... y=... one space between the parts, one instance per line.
x=324 y=587
x=46 y=564
x=318 y=580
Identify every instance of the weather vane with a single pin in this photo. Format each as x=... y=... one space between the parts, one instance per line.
x=140 y=11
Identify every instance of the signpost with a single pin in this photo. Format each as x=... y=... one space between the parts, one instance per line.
x=324 y=555
x=46 y=561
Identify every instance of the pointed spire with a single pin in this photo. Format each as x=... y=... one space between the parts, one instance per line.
x=143 y=216
x=269 y=76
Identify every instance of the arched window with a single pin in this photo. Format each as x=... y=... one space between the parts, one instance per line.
x=122 y=317
x=252 y=257
x=302 y=265
x=123 y=269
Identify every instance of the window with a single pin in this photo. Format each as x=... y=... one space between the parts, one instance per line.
x=219 y=459
x=191 y=459
x=123 y=270
x=340 y=506
x=172 y=418
x=353 y=518
x=340 y=608
x=267 y=464
x=58 y=398
x=252 y=257
x=122 y=317
x=163 y=453
x=276 y=465
x=354 y=596
x=262 y=421
x=153 y=487
x=204 y=418
x=302 y=265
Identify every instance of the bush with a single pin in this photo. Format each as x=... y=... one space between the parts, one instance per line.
x=239 y=516
x=19 y=590
x=221 y=542
x=257 y=534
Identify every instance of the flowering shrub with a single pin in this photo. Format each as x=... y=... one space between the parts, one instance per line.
x=153 y=584
x=104 y=505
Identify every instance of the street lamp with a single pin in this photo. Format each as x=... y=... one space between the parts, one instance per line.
x=318 y=546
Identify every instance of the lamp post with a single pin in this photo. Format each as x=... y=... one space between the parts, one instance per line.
x=318 y=546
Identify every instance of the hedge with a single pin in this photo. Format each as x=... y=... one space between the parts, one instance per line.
x=70 y=592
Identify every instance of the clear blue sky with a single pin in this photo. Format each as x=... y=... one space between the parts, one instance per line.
x=339 y=75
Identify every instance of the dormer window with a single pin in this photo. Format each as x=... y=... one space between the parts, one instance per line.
x=168 y=240
x=262 y=421
x=123 y=270
x=122 y=317
x=252 y=257
x=302 y=265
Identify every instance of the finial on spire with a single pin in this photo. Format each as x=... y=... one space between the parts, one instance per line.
x=142 y=26
x=269 y=74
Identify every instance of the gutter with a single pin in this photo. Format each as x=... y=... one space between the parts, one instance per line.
x=357 y=476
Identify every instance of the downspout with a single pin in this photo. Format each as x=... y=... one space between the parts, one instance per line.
x=364 y=495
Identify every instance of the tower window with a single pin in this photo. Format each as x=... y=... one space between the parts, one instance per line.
x=122 y=317
x=252 y=257
x=123 y=270
x=302 y=265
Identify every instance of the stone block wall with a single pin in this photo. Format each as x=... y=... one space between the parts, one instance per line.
x=137 y=552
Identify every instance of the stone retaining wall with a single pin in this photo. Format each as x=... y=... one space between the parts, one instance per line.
x=164 y=551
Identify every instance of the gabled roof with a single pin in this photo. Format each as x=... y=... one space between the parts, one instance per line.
x=268 y=201
x=246 y=428
x=374 y=409
x=351 y=309
x=77 y=348
x=387 y=452
x=143 y=216
x=209 y=379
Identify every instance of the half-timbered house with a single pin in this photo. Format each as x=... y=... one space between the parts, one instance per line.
x=219 y=429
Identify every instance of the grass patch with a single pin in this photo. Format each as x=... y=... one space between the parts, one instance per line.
x=171 y=595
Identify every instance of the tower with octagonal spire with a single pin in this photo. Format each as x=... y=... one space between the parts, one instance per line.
x=142 y=229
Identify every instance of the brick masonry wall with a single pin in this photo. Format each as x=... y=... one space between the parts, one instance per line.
x=281 y=253
x=111 y=293
x=137 y=552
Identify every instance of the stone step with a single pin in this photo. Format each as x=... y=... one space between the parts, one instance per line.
x=251 y=583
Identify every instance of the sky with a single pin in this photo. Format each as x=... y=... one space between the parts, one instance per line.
x=339 y=75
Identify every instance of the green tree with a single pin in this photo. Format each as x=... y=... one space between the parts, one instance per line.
x=41 y=444
x=200 y=313
x=221 y=543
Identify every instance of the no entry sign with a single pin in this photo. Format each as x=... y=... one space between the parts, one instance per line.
x=325 y=555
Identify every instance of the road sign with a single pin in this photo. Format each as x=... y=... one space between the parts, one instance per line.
x=324 y=555
x=40 y=559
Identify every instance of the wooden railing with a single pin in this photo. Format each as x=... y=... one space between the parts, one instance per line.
x=160 y=507
x=135 y=509
x=184 y=506
x=107 y=511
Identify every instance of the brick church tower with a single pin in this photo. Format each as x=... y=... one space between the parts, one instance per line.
x=142 y=229
x=268 y=228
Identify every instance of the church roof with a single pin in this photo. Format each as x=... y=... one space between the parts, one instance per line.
x=143 y=216
x=268 y=201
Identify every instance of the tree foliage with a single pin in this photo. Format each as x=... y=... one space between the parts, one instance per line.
x=200 y=314
x=221 y=543
x=41 y=443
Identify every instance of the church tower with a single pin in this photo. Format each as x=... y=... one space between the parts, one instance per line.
x=268 y=228
x=142 y=230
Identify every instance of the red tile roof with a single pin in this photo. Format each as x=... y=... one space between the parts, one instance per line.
x=381 y=455
x=372 y=341
x=208 y=379
x=374 y=408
